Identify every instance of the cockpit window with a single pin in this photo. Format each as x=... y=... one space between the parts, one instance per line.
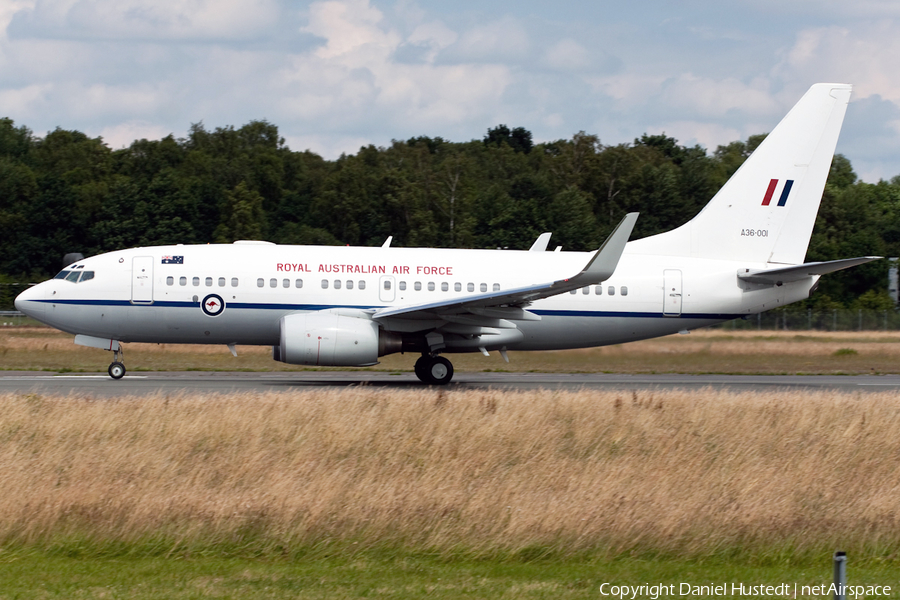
x=73 y=276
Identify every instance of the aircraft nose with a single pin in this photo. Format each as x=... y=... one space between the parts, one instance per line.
x=28 y=302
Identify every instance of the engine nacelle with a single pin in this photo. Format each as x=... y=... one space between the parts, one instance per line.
x=331 y=340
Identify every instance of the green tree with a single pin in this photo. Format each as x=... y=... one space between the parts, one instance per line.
x=242 y=217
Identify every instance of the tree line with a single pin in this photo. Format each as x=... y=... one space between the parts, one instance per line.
x=67 y=192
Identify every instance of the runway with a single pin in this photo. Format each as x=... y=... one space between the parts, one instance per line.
x=150 y=383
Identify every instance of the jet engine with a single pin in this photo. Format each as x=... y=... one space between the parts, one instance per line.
x=332 y=340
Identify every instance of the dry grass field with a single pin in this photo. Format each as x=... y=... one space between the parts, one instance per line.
x=703 y=351
x=763 y=477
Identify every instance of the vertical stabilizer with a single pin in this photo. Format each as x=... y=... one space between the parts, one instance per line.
x=765 y=213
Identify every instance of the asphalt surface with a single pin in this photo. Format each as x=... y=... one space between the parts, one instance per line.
x=149 y=383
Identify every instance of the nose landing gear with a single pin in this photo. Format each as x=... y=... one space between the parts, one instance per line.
x=117 y=368
x=434 y=370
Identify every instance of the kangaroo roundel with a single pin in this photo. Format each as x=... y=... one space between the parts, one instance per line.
x=213 y=305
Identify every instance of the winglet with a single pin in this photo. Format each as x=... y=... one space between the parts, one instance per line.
x=603 y=264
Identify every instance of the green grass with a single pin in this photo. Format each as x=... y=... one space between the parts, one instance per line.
x=371 y=575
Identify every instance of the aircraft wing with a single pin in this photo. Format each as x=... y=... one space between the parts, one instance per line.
x=507 y=304
x=798 y=272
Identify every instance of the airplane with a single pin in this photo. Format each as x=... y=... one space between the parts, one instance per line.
x=347 y=306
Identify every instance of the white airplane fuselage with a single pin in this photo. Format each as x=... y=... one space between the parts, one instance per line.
x=134 y=297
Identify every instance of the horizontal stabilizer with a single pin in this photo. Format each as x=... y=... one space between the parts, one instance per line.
x=798 y=272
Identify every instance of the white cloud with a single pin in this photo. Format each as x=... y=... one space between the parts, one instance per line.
x=434 y=36
x=567 y=55
x=503 y=39
x=708 y=135
x=858 y=9
x=864 y=55
x=139 y=19
x=337 y=74
x=9 y=8
x=716 y=98
x=352 y=32
x=353 y=78
x=25 y=102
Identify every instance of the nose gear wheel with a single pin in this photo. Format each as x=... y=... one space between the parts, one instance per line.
x=117 y=368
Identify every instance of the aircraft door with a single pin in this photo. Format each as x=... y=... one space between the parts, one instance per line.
x=671 y=293
x=142 y=280
x=386 y=290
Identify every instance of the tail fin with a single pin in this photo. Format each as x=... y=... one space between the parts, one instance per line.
x=765 y=213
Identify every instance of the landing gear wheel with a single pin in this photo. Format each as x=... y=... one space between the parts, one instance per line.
x=116 y=370
x=439 y=371
x=421 y=368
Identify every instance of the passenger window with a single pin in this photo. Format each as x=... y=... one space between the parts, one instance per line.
x=387 y=284
x=445 y=286
x=418 y=286
x=234 y=282
x=221 y=282
x=362 y=284
x=573 y=292
x=286 y=283
x=209 y=282
x=457 y=287
x=430 y=286
x=87 y=275
x=324 y=284
x=586 y=290
x=624 y=290
x=298 y=283
x=195 y=281
x=611 y=290
x=273 y=283
x=182 y=281
x=598 y=290
x=470 y=287
x=337 y=284
x=260 y=282
x=171 y=280
x=349 y=284
x=483 y=287
x=496 y=287
x=402 y=285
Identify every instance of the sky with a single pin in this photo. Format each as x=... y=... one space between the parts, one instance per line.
x=336 y=75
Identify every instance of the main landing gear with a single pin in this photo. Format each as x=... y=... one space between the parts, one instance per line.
x=117 y=368
x=434 y=370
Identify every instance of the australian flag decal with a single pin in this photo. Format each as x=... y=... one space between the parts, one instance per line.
x=173 y=260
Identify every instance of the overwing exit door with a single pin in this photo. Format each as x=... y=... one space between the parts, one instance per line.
x=142 y=280
x=386 y=291
x=671 y=293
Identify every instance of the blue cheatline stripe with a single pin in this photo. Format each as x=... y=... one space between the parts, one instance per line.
x=317 y=307
x=785 y=192
x=633 y=315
